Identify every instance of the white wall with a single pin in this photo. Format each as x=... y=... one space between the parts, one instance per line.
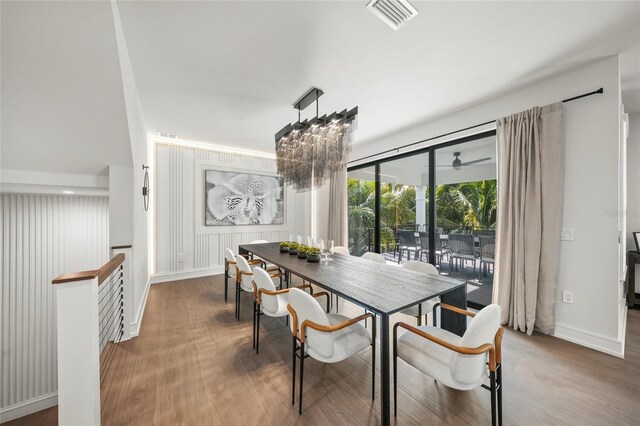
x=121 y=199
x=184 y=244
x=42 y=237
x=139 y=151
x=589 y=264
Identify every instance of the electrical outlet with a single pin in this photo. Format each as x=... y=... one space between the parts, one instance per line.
x=567 y=296
x=566 y=234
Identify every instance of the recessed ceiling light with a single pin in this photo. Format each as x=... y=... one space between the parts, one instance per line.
x=68 y=192
x=394 y=13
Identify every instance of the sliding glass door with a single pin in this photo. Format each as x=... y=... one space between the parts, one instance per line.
x=404 y=206
x=361 y=207
x=434 y=205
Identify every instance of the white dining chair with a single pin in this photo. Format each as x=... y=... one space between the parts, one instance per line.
x=328 y=338
x=268 y=301
x=341 y=250
x=376 y=257
x=230 y=268
x=457 y=362
x=244 y=280
x=428 y=306
x=266 y=265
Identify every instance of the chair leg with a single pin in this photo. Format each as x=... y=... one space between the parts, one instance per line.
x=293 y=374
x=258 y=330
x=226 y=284
x=374 y=326
x=499 y=381
x=420 y=315
x=239 y=299
x=492 y=388
x=254 y=325
x=301 y=376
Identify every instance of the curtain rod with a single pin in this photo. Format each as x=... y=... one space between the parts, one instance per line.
x=584 y=95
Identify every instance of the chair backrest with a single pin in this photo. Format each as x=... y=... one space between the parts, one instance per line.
x=308 y=308
x=376 y=257
x=407 y=238
x=462 y=244
x=438 y=242
x=259 y=242
x=422 y=267
x=263 y=280
x=487 y=246
x=245 y=281
x=231 y=258
x=341 y=250
x=424 y=240
x=469 y=369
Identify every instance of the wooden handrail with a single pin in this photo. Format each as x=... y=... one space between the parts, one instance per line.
x=102 y=273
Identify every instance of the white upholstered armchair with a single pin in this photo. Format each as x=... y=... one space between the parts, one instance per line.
x=268 y=301
x=244 y=280
x=458 y=362
x=328 y=338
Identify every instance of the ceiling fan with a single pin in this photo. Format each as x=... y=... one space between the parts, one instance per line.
x=458 y=164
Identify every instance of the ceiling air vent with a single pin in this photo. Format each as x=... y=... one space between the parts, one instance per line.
x=394 y=13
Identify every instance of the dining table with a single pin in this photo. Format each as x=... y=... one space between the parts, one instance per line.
x=383 y=289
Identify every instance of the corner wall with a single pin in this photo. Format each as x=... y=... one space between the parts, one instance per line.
x=139 y=152
x=590 y=263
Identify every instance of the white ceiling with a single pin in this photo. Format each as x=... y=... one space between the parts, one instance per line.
x=228 y=72
x=62 y=99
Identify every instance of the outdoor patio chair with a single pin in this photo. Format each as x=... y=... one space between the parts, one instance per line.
x=487 y=253
x=463 y=248
x=408 y=241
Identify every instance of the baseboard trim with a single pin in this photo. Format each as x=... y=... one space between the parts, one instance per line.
x=185 y=275
x=135 y=326
x=595 y=341
x=30 y=406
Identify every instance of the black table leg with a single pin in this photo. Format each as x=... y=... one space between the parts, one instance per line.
x=384 y=369
x=451 y=321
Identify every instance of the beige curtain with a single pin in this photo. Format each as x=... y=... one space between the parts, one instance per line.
x=338 y=207
x=530 y=179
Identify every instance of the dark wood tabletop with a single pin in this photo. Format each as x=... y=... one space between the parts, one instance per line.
x=385 y=289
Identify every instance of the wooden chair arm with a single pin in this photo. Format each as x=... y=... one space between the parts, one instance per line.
x=459 y=349
x=457 y=310
x=244 y=273
x=254 y=262
x=273 y=268
x=276 y=275
x=330 y=328
x=261 y=291
x=322 y=293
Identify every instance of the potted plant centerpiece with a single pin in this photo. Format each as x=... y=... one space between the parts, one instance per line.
x=302 y=252
x=293 y=248
x=284 y=247
x=313 y=254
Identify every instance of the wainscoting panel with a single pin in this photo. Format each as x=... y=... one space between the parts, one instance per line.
x=183 y=242
x=42 y=237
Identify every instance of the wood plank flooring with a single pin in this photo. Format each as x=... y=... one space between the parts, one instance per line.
x=193 y=365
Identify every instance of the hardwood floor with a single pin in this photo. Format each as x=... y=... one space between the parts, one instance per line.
x=193 y=365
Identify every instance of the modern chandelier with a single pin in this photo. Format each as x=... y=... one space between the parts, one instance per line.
x=309 y=151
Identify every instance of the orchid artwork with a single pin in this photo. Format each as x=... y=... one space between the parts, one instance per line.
x=234 y=198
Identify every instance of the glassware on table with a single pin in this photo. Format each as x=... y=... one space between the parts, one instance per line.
x=326 y=249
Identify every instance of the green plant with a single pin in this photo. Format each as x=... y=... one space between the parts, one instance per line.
x=313 y=251
x=285 y=244
x=295 y=246
x=304 y=249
